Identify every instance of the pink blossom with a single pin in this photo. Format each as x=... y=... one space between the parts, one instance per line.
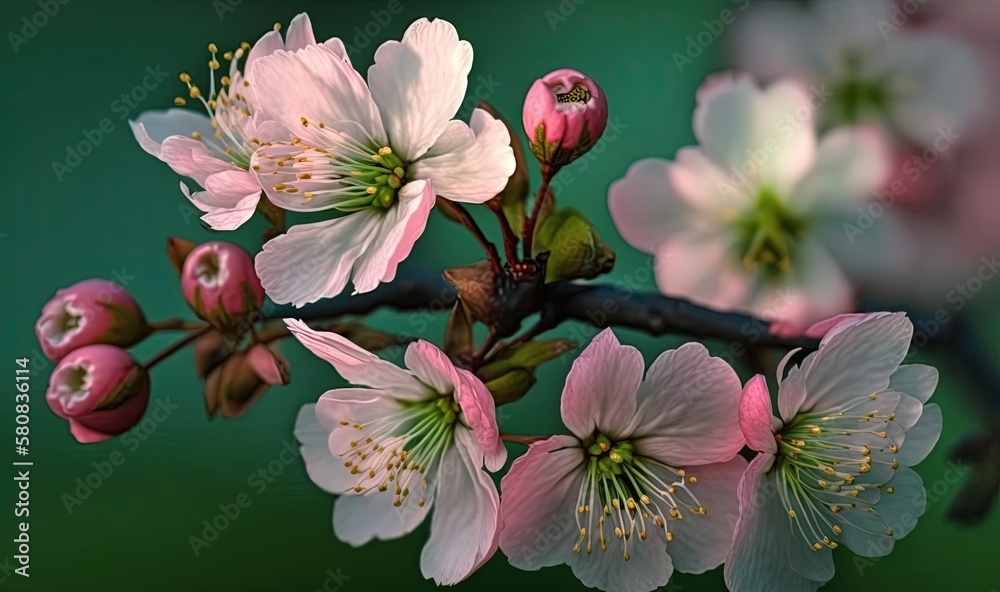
x=834 y=464
x=89 y=312
x=564 y=115
x=400 y=442
x=220 y=284
x=647 y=482
x=100 y=390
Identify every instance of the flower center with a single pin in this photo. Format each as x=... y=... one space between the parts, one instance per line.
x=349 y=174
x=211 y=270
x=855 y=96
x=395 y=452
x=63 y=325
x=578 y=95
x=73 y=383
x=831 y=466
x=630 y=494
x=768 y=234
x=230 y=112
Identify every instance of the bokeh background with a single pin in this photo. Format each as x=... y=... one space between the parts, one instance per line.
x=109 y=213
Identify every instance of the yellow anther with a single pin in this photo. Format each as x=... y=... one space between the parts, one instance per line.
x=196 y=135
x=277 y=26
x=889 y=490
x=815 y=430
x=693 y=479
x=702 y=510
x=670 y=536
x=681 y=473
x=303 y=176
x=872 y=397
x=194 y=92
x=626 y=556
x=179 y=101
x=185 y=77
x=865 y=467
x=817 y=546
x=837 y=529
x=227 y=80
x=372 y=190
x=791 y=513
x=213 y=48
x=245 y=46
x=894 y=449
x=618 y=532
x=228 y=56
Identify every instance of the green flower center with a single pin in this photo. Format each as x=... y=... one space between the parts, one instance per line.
x=397 y=451
x=768 y=235
x=855 y=97
x=630 y=495
x=830 y=467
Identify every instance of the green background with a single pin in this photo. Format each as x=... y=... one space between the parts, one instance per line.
x=111 y=214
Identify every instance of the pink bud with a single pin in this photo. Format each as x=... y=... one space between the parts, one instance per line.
x=90 y=312
x=101 y=390
x=242 y=379
x=220 y=284
x=564 y=115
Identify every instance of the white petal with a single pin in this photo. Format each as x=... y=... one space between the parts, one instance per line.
x=855 y=363
x=851 y=164
x=357 y=365
x=357 y=519
x=766 y=134
x=314 y=261
x=228 y=188
x=644 y=205
x=314 y=84
x=324 y=469
x=916 y=380
x=231 y=218
x=152 y=127
x=466 y=518
x=921 y=438
x=300 y=33
x=649 y=566
x=475 y=172
x=907 y=502
x=701 y=266
x=419 y=84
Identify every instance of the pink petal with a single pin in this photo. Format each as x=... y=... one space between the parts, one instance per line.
x=830 y=327
x=190 y=158
x=416 y=201
x=600 y=391
x=755 y=416
x=701 y=543
x=228 y=188
x=85 y=435
x=300 y=33
x=645 y=206
x=688 y=409
x=466 y=518
x=480 y=411
x=540 y=497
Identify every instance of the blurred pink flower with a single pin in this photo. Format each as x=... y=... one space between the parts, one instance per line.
x=869 y=65
x=379 y=151
x=732 y=222
x=101 y=390
x=215 y=150
x=564 y=115
x=834 y=464
x=89 y=312
x=400 y=442
x=220 y=284
x=647 y=482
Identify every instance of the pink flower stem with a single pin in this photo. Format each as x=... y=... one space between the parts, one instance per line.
x=176 y=346
x=462 y=215
x=548 y=172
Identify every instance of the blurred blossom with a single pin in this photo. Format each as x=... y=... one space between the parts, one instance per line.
x=100 y=390
x=89 y=312
x=834 y=465
x=220 y=285
x=215 y=149
x=564 y=115
x=733 y=222
x=878 y=69
x=647 y=482
x=378 y=151
x=243 y=378
x=401 y=441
